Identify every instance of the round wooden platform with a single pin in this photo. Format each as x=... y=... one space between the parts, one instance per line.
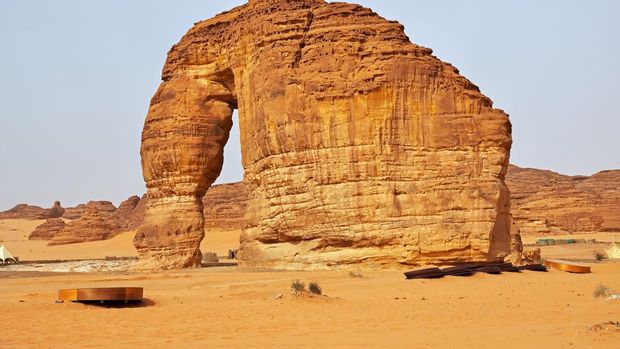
x=116 y=294
x=571 y=267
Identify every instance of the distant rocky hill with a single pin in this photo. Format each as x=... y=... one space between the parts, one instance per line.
x=24 y=211
x=224 y=207
x=543 y=202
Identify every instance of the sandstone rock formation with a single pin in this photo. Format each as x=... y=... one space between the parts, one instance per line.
x=74 y=212
x=47 y=230
x=224 y=206
x=93 y=225
x=358 y=145
x=123 y=217
x=545 y=202
x=24 y=211
x=101 y=220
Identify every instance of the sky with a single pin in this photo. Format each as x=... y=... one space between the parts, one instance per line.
x=77 y=78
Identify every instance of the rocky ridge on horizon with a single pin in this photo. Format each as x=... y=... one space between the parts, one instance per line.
x=546 y=202
x=224 y=207
x=543 y=202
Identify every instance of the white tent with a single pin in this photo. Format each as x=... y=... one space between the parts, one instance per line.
x=5 y=255
x=613 y=252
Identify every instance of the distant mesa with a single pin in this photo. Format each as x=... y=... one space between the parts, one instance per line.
x=545 y=202
x=24 y=211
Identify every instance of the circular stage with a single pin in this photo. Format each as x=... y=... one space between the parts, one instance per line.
x=106 y=294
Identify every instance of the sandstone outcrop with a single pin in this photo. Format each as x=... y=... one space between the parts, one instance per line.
x=101 y=220
x=74 y=212
x=224 y=206
x=136 y=216
x=358 y=145
x=123 y=216
x=545 y=202
x=24 y=211
x=93 y=225
x=47 y=230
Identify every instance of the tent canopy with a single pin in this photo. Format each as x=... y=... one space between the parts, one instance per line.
x=5 y=255
x=613 y=252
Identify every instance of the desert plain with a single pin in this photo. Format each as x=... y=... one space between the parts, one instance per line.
x=360 y=307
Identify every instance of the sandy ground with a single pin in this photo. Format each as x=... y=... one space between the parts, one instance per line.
x=234 y=307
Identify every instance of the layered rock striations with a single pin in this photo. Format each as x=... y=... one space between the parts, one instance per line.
x=100 y=220
x=545 y=202
x=224 y=206
x=93 y=225
x=47 y=230
x=357 y=145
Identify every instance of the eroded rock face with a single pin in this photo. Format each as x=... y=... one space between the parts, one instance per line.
x=93 y=225
x=47 y=230
x=74 y=212
x=358 y=145
x=101 y=220
x=224 y=206
x=545 y=202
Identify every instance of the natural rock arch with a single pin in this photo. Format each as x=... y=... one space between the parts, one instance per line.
x=357 y=145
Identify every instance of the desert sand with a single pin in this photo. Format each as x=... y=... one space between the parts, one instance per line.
x=235 y=307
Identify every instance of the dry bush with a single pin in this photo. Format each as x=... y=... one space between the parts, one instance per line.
x=603 y=291
x=315 y=288
x=298 y=286
x=599 y=255
x=355 y=274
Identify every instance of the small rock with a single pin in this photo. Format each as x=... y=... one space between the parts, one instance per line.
x=278 y=296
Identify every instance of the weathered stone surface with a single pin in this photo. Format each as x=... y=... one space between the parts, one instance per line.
x=74 y=212
x=101 y=220
x=545 y=202
x=24 y=211
x=94 y=225
x=224 y=206
x=47 y=230
x=77 y=211
x=358 y=146
x=123 y=217
x=136 y=216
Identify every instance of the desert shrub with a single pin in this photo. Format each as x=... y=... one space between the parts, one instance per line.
x=602 y=291
x=599 y=255
x=315 y=288
x=210 y=257
x=298 y=286
x=355 y=274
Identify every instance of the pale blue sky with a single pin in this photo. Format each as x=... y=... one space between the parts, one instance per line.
x=77 y=77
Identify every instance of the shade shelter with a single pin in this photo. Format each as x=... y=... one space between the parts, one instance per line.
x=5 y=256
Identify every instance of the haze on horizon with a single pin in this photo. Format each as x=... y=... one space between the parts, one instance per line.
x=78 y=77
